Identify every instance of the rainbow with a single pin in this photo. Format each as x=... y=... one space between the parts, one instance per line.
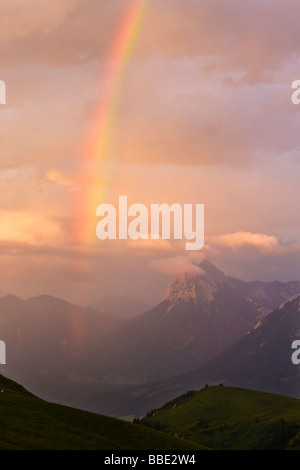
x=97 y=148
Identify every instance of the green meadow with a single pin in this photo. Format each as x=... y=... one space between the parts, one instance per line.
x=28 y=422
x=231 y=418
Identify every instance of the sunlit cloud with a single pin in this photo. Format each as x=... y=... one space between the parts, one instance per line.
x=25 y=227
x=265 y=244
x=197 y=120
x=71 y=179
x=176 y=266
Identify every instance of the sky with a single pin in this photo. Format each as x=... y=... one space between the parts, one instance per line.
x=164 y=102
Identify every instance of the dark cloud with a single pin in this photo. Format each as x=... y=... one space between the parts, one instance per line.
x=55 y=33
x=255 y=38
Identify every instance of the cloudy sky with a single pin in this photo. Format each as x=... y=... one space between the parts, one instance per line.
x=162 y=101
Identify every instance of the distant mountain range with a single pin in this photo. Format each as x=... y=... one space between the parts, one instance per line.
x=78 y=355
x=48 y=339
x=202 y=314
x=260 y=360
x=121 y=306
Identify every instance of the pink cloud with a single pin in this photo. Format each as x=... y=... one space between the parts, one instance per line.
x=265 y=244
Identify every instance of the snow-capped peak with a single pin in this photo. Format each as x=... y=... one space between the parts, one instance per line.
x=189 y=288
x=291 y=299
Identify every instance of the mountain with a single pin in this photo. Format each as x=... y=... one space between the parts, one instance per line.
x=79 y=356
x=50 y=340
x=202 y=314
x=122 y=306
x=260 y=360
x=29 y=423
x=267 y=295
x=231 y=418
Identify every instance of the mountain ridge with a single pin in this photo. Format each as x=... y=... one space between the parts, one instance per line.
x=202 y=313
x=30 y=423
x=53 y=344
x=260 y=360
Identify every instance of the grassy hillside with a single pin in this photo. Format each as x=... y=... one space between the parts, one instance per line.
x=30 y=423
x=231 y=418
